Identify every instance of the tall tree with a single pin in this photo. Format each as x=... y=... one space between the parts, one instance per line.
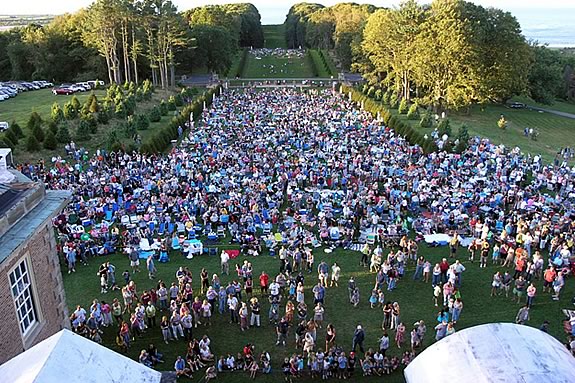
x=101 y=26
x=389 y=41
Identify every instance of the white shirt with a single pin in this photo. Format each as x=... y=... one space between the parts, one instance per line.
x=224 y=257
x=274 y=288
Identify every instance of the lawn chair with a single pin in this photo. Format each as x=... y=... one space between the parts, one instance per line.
x=221 y=231
x=176 y=243
x=370 y=239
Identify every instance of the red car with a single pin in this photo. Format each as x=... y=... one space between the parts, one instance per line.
x=66 y=91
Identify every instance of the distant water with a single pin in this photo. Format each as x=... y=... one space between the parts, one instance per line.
x=555 y=27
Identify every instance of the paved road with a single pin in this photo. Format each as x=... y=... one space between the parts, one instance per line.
x=555 y=112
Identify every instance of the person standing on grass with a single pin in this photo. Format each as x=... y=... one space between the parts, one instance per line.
x=496 y=284
x=206 y=313
x=176 y=325
x=418 y=268
x=440 y=330
x=151 y=314
x=71 y=259
x=233 y=306
x=318 y=293
x=558 y=285
x=318 y=312
x=282 y=331
x=358 y=338
x=519 y=289
x=205 y=282
x=335 y=274
x=400 y=335
x=187 y=325
x=506 y=283
x=264 y=283
x=165 y=327
x=255 y=312
x=134 y=257
x=522 y=315
x=323 y=271
x=384 y=343
x=457 y=307
x=330 y=337
x=224 y=259
x=151 y=267
x=531 y=291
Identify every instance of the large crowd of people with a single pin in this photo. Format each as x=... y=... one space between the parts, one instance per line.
x=286 y=172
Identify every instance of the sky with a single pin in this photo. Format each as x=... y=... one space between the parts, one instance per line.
x=549 y=21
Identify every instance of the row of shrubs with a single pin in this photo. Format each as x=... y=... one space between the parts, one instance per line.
x=326 y=63
x=162 y=139
x=242 y=64
x=393 y=122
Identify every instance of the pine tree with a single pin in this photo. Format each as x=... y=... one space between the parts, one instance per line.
x=9 y=134
x=403 y=107
x=17 y=129
x=57 y=114
x=76 y=104
x=32 y=144
x=63 y=135
x=38 y=133
x=50 y=142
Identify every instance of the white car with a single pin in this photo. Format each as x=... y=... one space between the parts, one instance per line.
x=4 y=126
x=3 y=97
x=94 y=83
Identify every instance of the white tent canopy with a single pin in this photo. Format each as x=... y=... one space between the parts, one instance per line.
x=496 y=352
x=67 y=357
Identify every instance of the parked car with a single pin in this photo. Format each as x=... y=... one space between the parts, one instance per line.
x=517 y=105
x=3 y=97
x=30 y=86
x=63 y=90
x=9 y=92
x=84 y=85
x=95 y=83
x=4 y=126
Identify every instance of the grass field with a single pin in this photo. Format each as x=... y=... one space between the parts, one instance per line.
x=555 y=132
x=414 y=297
x=558 y=105
x=277 y=67
x=19 y=109
x=274 y=36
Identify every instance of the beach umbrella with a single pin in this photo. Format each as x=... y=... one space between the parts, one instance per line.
x=85 y=237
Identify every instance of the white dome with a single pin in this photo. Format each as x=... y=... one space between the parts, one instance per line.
x=495 y=352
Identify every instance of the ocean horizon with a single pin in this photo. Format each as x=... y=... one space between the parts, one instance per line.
x=553 y=26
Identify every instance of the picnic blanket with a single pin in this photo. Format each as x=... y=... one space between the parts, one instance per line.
x=443 y=239
x=232 y=253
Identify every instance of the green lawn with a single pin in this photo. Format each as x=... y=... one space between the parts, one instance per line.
x=274 y=36
x=555 y=132
x=558 y=105
x=19 y=109
x=277 y=67
x=414 y=298
x=40 y=101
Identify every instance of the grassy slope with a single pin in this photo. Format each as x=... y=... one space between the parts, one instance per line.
x=274 y=36
x=41 y=101
x=555 y=132
x=282 y=67
x=414 y=298
x=559 y=105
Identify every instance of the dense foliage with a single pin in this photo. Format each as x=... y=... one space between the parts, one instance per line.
x=127 y=40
